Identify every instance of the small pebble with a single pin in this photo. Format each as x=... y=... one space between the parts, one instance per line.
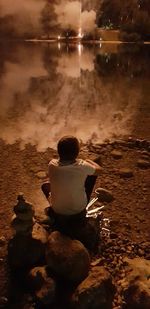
x=143 y=163
x=116 y=154
x=141 y=252
x=41 y=175
x=2 y=241
x=125 y=173
x=3 y=300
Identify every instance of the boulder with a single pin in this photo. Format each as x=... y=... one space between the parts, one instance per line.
x=43 y=285
x=136 y=284
x=68 y=259
x=96 y=291
x=26 y=250
x=104 y=195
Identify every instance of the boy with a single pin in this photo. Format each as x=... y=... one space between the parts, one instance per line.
x=71 y=183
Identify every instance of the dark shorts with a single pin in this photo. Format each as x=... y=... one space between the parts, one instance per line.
x=65 y=223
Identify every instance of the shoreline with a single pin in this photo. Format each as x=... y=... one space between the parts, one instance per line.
x=128 y=212
x=76 y=42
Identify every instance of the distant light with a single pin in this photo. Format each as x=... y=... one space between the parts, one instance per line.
x=80 y=35
x=59 y=37
x=100 y=45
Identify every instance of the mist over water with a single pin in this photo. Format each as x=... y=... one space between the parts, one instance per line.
x=48 y=91
x=35 y=18
x=23 y=16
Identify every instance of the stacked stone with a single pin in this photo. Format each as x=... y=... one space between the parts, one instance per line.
x=27 y=247
x=23 y=220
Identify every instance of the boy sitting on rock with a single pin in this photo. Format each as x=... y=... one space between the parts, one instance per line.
x=71 y=183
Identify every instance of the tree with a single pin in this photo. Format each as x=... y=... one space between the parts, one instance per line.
x=116 y=12
x=110 y=13
x=139 y=24
x=7 y=29
x=67 y=33
x=49 y=19
x=144 y=5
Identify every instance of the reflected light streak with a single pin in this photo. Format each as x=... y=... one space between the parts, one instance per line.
x=80 y=49
x=59 y=46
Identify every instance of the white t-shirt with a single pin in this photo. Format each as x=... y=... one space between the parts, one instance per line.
x=67 y=185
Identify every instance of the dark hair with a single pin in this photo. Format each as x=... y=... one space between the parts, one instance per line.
x=68 y=148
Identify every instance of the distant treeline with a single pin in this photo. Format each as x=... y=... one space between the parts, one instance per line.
x=132 y=17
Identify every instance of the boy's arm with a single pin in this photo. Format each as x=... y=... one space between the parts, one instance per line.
x=98 y=168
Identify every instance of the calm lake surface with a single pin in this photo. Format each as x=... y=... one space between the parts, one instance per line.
x=97 y=92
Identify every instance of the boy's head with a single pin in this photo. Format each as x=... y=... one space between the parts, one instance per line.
x=68 y=148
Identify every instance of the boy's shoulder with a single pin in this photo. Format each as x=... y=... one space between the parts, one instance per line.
x=79 y=162
x=54 y=162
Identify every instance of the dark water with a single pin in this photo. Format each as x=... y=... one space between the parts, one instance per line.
x=97 y=91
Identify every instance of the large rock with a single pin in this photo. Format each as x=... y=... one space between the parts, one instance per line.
x=136 y=284
x=96 y=291
x=68 y=259
x=27 y=250
x=43 y=285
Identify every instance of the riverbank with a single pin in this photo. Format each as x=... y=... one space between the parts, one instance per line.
x=75 y=41
x=127 y=178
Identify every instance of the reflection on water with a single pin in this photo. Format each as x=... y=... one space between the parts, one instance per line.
x=89 y=91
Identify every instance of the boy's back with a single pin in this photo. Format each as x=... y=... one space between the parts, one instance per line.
x=71 y=180
x=68 y=185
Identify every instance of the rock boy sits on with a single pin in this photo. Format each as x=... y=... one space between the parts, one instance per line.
x=71 y=183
